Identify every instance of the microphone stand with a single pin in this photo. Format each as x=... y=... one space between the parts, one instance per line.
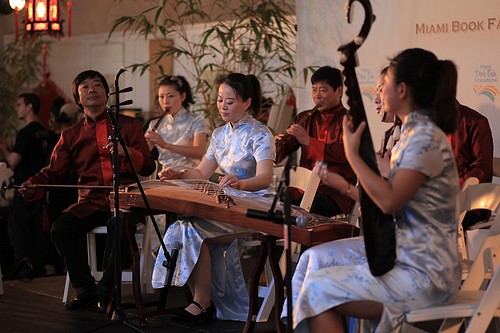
x=118 y=313
x=287 y=234
x=286 y=220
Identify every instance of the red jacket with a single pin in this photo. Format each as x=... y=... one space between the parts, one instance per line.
x=325 y=130
x=472 y=145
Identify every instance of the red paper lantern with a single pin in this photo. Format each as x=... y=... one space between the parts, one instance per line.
x=42 y=17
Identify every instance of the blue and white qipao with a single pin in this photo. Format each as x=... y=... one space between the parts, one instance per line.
x=237 y=150
x=427 y=270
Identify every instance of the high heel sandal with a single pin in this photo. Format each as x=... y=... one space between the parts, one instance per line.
x=184 y=316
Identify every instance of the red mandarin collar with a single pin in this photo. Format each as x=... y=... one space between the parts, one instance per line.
x=328 y=113
x=99 y=118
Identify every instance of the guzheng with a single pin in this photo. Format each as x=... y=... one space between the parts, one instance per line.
x=204 y=199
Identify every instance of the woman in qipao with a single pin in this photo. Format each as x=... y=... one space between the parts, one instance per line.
x=334 y=279
x=244 y=150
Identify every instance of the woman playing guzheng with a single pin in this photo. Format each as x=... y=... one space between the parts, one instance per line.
x=244 y=150
x=334 y=278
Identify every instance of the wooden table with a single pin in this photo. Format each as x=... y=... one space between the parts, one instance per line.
x=199 y=198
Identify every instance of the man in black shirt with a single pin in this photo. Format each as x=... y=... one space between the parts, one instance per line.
x=29 y=154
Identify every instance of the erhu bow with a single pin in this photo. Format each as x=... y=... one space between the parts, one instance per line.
x=378 y=228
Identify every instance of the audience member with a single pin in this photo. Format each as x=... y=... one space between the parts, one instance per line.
x=29 y=154
x=54 y=111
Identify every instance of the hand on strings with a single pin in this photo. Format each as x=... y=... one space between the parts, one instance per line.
x=299 y=133
x=229 y=180
x=169 y=174
x=351 y=138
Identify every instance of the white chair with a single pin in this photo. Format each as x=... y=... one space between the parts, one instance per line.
x=461 y=233
x=496 y=166
x=307 y=181
x=355 y=215
x=92 y=259
x=478 y=300
x=147 y=238
x=281 y=114
x=478 y=196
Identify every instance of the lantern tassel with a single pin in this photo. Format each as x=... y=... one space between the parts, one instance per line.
x=17 y=24
x=69 y=3
x=44 y=57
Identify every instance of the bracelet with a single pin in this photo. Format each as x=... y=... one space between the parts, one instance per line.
x=349 y=188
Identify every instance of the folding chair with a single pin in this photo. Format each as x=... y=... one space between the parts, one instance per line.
x=127 y=276
x=478 y=301
x=461 y=233
x=307 y=181
x=496 y=166
x=475 y=196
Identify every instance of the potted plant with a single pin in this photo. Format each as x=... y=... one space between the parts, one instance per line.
x=20 y=69
x=249 y=36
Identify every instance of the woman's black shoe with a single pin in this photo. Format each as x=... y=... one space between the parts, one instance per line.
x=80 y=302
x=184 y=316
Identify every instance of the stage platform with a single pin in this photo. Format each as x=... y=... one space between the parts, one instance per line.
x=36 y=306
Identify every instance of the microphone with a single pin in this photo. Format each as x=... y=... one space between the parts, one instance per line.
x=177 y=245
x=277 y=217
x=171 y=259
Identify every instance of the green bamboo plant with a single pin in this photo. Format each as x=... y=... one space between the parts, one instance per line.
x=249 y=36
x=20 y=69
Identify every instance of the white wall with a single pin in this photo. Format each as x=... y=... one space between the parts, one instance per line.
x=70 y=56
x=322 y=28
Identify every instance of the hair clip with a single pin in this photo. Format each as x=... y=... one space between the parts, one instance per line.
x=177 y=80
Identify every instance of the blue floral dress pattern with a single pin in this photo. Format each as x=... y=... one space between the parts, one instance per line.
x=179 y=129
x=427 y=270
x=237 y=150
